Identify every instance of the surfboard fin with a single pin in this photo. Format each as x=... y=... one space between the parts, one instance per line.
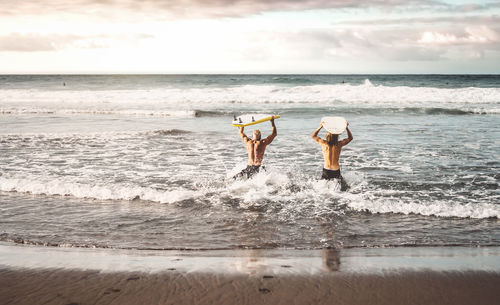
x=253 y=120
x=240 y=120
x=234 y=118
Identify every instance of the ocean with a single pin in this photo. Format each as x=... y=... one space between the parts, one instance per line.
x=146 y=161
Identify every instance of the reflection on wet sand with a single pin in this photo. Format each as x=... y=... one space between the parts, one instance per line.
x=331 y=259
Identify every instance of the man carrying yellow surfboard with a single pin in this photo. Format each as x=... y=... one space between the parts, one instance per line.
x=255 y=148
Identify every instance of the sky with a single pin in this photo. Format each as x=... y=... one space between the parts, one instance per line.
x=250 y=36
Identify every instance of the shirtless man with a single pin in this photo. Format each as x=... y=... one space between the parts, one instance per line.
x=255 y=148
x=331 y=148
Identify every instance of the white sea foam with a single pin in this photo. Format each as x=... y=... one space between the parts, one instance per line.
x=295 y=192
x=156 y=101
x=61 y=187
x=435 y=208
x=131 y=112
x=280 y=187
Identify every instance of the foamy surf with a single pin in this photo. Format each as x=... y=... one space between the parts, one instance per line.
x=269 y=188
x=133 y=102
x=131 y=112
x=435 y=208
x=60 y=187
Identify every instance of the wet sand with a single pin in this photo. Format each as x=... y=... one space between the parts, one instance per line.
x=359 y=276
x=93 y=287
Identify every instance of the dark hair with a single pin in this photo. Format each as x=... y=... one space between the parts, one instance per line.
x=332 y=139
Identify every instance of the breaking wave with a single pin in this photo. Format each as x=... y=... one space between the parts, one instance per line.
x=268 y=188
x=60 y=187
x=181 y=101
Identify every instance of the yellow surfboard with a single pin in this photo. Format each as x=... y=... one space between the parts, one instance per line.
x=252 y=119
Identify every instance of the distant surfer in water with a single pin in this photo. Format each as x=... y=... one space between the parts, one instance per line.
x=331 y=148
x=255 y=148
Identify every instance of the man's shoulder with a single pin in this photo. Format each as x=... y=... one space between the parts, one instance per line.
x=344 y=142
x=322 y=142
x=324 y=145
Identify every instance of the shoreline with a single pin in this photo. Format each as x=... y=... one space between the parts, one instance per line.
x=360 y=260
x=445 y=275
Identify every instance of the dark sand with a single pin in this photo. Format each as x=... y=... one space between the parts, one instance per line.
x=45 y=275
x=171 y=287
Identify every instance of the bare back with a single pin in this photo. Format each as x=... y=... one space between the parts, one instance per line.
x=256 y=149
x=331 y=153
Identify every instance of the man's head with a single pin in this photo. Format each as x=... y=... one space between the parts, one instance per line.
x=256 y=134
x=332 y=139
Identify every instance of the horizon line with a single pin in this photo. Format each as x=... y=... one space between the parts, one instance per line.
x=196 y=74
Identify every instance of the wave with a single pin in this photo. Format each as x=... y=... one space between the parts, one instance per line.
x=32 y=241
x=266 y=188
x=292 y=79
x=60 y=187
x=24 y=241
x=132 y=112
x=100 y=136
x=391 y=110
x=434 y=208
x=283 y=111
x=213 y=113
x=364 y=94
x=448 y=111
x=168 y=132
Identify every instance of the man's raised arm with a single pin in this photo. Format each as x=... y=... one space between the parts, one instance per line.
x=243 y=135
x=315 y=134
x=349 y=136
x=271 y=137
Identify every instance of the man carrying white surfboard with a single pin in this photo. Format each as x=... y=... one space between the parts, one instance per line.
x=332 y=148
x=255 y=148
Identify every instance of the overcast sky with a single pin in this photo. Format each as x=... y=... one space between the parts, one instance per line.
x=250 y=36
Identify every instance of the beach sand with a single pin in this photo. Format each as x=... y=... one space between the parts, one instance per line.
x=93 y=287
x=38 y=275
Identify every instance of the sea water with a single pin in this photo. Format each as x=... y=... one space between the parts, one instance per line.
x=146 y=161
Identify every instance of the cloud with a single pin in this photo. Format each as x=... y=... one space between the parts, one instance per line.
x=474 y=7
x=34 y=42
x=471 y=35
x=193 y=8
x=455 y=20
x=391 y=33
x=394 y=45
x=432 y=37
x=17 y=42
x=413 y=54
x=337 y=45
x=407 y=44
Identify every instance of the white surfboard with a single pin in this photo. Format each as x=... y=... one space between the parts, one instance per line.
x=252 y=119
x=334 y=124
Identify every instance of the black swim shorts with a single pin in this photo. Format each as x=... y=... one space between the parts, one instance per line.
x=329 y=174
x=249 y=171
